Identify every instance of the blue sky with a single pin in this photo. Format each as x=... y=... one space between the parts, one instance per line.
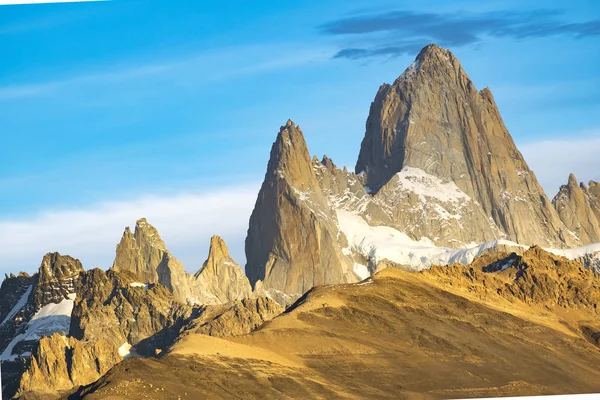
x=116 y=110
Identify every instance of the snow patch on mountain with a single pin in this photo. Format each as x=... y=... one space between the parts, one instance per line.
x=424 y=185
x=52 y=318
x=577 y=252
x=381 y=242
x=139 y=284
x=127 y=351
x=361 y=270
x=20 y=304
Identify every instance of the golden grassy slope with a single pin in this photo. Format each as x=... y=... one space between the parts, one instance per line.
x=451 y=332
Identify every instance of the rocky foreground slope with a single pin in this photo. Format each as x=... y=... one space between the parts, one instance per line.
x=505 y=325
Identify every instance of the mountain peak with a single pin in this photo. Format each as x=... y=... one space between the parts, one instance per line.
x=220 y=279
x=218 y=250
x=433 y=61
x=289 y=159
x=433 y=118
x=433 y=51
x=56 y=279
x=147 y=234
x=573 y=180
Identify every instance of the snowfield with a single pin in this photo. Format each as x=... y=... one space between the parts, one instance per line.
x=52 y=318
x=426 y=186
x=382 y=242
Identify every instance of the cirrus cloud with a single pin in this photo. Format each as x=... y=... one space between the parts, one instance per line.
x=397 y=33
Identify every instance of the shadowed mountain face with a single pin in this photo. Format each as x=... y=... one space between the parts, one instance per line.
x=292 y=243
x=505 y=325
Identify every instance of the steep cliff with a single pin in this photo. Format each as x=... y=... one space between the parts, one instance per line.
x=435 y=122
x=292 y=243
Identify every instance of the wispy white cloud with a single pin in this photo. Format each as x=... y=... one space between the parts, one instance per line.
x=185 y=221
x=115 y=76
x=552 y=160
x=205 y=67
x=23 y=2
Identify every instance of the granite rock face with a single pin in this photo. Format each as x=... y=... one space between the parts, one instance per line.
x=579 y=209
x=113 y=306
x=433 y=119
x=234 y=319
x=144 y=254
x=61 y=363
x=220 y=280
x=436 y=164
x=292 y=243
x=56 y=279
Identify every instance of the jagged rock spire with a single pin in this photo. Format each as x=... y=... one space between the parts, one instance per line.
x=291 y=243
x=579 y=209
x=144 y=254
x=56 y=279
x=221 y=280
x=217 y=252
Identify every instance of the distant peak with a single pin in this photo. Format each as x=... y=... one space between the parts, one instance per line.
x=328 y=163
x=217 y=254
x=141 y=222
x=433 y=51
x=573 y=180
x=144 y=233
x=218 y=248
x=55 y=265
x=290 y=132
x=432 y=60
x=289 y=157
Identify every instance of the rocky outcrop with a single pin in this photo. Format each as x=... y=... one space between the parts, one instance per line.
x=114 y=317
x=579 y=209
x=113 y=306
x=56 y=279
x=144 y=254
x=434 y=121
x=594 y=189
x=238 y=318
x=292 y=243
x=534 y=277
x=61 y=363
x=220 y=280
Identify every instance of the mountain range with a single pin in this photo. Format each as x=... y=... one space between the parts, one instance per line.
x=439 y=256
